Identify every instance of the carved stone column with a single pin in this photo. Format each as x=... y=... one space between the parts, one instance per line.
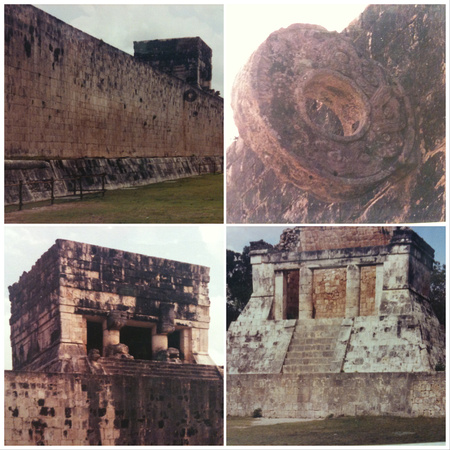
x=166 y=325
x=305 y=310
x=111 y=329
x=279 y=296
x=353 y=291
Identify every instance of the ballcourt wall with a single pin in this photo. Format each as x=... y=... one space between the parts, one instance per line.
x=86 y=409
x=69 y=95
x=314 y=396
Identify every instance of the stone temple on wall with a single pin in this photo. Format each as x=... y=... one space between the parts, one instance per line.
x=111 y=348
x=338 y=323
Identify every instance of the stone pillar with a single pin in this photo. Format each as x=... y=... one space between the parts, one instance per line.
x=378 y=288
x=353 y=291
x=279 y=296
x=159 y=342
x=111 y=329
x=305 y=310
x=110 y=337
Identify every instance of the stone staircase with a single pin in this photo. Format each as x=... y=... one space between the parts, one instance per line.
x=317 y=346
x=112 y=366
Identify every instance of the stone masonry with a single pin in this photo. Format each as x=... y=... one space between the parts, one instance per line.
x=111 y=348
x=343 y=127
x=69 y=95
x=349 y=302
x=81 y=107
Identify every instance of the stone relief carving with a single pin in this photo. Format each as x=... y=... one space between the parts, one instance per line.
x=329 y=120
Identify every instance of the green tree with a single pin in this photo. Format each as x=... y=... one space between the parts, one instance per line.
x=239 y=282
x=437 y=291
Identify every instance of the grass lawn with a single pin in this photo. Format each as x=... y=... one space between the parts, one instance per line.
x=188 y=200
x=362 y=430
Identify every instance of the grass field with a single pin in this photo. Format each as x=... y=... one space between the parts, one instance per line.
x=363 y=430
x=188 y=200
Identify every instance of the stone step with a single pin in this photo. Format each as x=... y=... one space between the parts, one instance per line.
x=296 y=355
x=312 y=348
x=300 y=346
x=113 y=366
x=315 y=368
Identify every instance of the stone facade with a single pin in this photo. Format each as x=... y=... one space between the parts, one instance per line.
x=188 y=59
x=343 y=127
x=85 y=409
x=69 y=96
x=315 y=396
x=347 y=310
x=108 y=320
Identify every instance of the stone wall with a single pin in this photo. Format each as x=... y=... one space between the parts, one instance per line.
x=85 y=409
x=314 y=396
x=118 y=173
x=69 y=95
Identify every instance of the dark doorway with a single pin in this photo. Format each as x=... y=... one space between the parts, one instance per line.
x=94 y=336
x=291 y=283
x=139 y=341
x=175 y=341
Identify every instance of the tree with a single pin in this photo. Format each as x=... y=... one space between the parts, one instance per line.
x=437 y=291
x=239 y=283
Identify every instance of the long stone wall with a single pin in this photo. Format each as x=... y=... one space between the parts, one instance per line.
x=69 y=95
x=314 y=396
x=87 y=409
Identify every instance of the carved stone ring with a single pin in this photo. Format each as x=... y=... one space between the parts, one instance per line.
x=323 y=117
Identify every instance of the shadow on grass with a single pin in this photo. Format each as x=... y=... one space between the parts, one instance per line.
x=362 y=430
x=188 y=200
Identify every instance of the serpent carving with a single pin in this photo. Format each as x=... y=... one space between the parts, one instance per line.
x=325 y=118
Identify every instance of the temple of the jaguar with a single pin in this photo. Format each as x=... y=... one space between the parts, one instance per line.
x=339 y=322
x=111 y=348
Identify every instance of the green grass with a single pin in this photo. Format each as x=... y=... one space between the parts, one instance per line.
x=188 y=200
x=363 y=430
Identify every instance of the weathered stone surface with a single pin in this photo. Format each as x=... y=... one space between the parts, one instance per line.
x=348 y=308
x=75 y=287
x=88 y=326
x=186 y=58
x=119 y=173
x=322 y=304
x=335 y=128
x=87 y=409
x=315 y=396
x=69 y=95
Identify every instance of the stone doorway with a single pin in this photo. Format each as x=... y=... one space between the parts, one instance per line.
x=94 y=336
x=291 y=294
x=138 y=340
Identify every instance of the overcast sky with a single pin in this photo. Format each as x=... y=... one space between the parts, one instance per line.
x=120 y=25
x=238 y=237
x=203 y=245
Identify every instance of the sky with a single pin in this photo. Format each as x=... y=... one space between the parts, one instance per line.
x=238 y=237
x=120 y=25
x=203 y=245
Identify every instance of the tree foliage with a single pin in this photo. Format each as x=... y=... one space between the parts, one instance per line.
x=437 y=291
x=239 y=282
